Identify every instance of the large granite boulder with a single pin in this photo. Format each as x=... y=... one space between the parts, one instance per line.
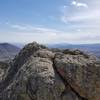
x=81 y=71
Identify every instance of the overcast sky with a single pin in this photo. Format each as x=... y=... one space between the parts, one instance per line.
x=50 y=21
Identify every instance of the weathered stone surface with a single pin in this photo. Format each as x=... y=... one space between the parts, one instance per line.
x=81 y=72
x=39 y=73
x=3 y=69
x=35 y=80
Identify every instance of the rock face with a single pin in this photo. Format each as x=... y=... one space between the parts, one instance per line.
x=3 y=69
x=81 y=72
x=40 y=73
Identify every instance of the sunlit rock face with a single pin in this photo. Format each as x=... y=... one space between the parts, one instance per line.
x=40 y=73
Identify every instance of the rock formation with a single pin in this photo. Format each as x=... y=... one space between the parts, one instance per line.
x=3 y=69
x=40 y=73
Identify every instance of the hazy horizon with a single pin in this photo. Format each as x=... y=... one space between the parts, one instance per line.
x=58 y=43
x=50 y=21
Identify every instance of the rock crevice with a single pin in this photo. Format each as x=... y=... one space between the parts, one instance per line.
x=68 y=88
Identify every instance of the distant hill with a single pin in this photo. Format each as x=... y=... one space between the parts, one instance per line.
x=8 y=51
x=91 y=48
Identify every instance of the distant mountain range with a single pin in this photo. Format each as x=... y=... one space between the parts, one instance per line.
x=8 y=51
x=91 y=48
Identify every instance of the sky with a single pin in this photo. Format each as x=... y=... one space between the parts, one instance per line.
x=50 y=21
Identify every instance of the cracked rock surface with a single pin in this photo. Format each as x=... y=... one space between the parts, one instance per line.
x=40 y=73
x=3 y=69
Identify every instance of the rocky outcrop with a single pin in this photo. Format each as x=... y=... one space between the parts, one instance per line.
x=40 y=73
x=81 y=72
x=3 y=69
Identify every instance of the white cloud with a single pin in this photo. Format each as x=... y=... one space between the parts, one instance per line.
x=89 y=16
x=74 y=14
x=19 y=27
x=34 y=29
x=62 y=37
x=47 y=35
x=79 y=4
x=74 y=3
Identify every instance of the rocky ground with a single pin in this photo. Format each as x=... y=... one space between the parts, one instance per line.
x=40 y=73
